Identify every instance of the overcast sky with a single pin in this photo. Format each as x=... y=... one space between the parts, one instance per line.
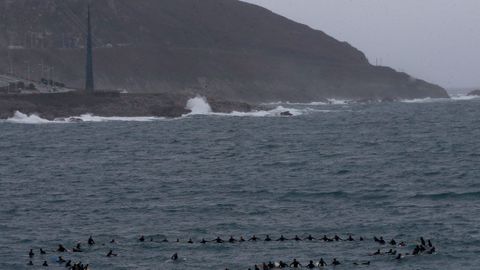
x=436 y=40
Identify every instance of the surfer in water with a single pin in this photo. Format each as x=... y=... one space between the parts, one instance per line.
x=282 y=264
x=309 y=238
x=253 y=238
x=111 y=254
x=311 y=265
x=61 y=248
x=267 y=238
x=174 y=257
x=218 y=240
x=295 y=264
x=282 y=238
x=77 y=248
x=326 y=239
x=91 y=242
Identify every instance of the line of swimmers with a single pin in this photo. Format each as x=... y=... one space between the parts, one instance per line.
x=282 y=238
x=422 y=247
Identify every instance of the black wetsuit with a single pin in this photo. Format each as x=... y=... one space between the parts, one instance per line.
x=282 y=239
x=310 y=238
x=110 y=254
x=311 y=265
x=61 y=248
x=295 y=264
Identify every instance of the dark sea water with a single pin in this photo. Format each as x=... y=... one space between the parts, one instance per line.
x=400 y=170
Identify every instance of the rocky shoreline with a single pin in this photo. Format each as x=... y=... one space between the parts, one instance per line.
x=52 y=106
x=474 y=93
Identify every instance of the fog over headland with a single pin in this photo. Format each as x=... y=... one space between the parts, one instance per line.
x=436 y=40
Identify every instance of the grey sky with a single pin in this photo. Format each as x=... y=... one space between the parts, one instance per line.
x=436 y=40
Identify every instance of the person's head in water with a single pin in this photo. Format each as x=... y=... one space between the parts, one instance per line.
x=91 y=241
x=174 y=257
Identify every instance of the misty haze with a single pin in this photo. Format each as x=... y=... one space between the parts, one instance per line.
x=228 y=134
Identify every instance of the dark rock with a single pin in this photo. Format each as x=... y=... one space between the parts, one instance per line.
x=286 y=113
x=474 y=93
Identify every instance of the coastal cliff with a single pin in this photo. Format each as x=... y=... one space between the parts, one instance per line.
x=223 y=49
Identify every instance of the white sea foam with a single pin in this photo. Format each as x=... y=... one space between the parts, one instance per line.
x=463 y=97
x=330 y=101
x=94 y=118
x=277 y=112
x=424 y=100
x=458 y=97
x=21 y=118
x=198 y=105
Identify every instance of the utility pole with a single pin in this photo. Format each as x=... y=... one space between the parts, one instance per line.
x=89 y=82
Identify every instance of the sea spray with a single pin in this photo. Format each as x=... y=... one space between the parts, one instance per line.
x=33 y=119
x=198 y=105
x=21 y=118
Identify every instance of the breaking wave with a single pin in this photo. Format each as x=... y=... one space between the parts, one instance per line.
x=199 y=106
x=459 y=97
x=21 y=118
x=330 y=101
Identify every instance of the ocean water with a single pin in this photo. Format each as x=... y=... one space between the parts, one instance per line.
x=397 y=170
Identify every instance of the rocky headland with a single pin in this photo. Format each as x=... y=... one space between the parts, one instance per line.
x=173 y=49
